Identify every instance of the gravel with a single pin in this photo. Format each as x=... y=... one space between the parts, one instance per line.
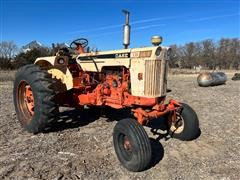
x=80 y=146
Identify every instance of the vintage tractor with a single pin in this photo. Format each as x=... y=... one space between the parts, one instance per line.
x=127 y=78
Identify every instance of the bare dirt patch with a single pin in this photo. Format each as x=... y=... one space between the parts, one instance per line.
x=80 y=147
x=7 y=75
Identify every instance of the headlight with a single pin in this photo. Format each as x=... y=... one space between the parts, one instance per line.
x=158 y=51
x=169 y=52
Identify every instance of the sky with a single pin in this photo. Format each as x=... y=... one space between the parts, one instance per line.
x=101 y=21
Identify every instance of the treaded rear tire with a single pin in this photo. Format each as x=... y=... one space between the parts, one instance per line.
x=45 y=109
x=139 y=156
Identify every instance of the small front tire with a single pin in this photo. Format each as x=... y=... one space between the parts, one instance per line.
x=132 y=145
x=187 y=126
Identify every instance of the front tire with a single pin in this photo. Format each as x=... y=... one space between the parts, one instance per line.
x=33 y=96
x=187 y=126
x=132 y=145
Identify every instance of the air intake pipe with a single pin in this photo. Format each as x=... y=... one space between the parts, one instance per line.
x=126 y=30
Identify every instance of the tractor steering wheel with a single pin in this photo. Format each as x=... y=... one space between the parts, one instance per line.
x=79 y=42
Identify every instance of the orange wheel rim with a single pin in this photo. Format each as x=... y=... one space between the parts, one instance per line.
x=29 y=99
x=25 y=101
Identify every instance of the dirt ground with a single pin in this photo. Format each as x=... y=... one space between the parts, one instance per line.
x=81 y=147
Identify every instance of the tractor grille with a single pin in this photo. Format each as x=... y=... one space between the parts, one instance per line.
x=153 y=84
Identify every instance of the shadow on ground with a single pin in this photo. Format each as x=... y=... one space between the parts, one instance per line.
x=157 y=152
x=74 y=118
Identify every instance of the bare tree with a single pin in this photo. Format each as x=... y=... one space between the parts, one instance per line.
x=224 y=54
x=8 y=49
x=190 y=54
x=234 y=53
x=209 y=54
x=228 y=53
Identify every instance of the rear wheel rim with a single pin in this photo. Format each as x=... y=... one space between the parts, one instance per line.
x=25 y=101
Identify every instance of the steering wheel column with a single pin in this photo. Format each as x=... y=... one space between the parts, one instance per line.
x=80 y=49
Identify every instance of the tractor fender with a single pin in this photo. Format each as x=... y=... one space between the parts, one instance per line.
x=58 y=71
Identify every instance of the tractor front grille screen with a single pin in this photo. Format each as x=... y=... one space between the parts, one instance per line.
x=153 y=79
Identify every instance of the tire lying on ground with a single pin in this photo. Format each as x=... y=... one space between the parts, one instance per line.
x=132 y=145
x=187 y=126
x=33 y=96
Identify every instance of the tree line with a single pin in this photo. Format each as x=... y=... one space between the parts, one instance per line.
x=11 y=57
x=206 y=54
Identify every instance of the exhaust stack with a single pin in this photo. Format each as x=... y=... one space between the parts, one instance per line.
x=126 y=30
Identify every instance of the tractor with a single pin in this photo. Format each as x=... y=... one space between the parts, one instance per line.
x=133 y=78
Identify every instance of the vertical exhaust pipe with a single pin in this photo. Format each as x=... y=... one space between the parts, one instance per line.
x=126 y=30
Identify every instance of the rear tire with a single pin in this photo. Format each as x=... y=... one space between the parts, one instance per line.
x=132 y=145
x=188 y=128
x=44 y=109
